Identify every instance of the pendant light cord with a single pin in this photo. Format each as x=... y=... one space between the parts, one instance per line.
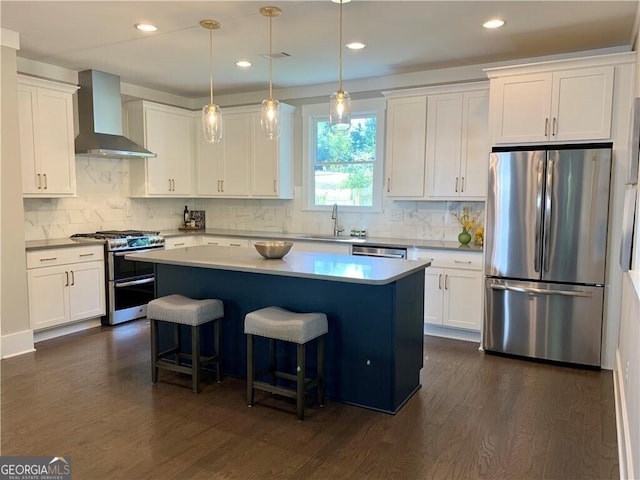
x=340 y=51
x=211 y=64
x=270 y=57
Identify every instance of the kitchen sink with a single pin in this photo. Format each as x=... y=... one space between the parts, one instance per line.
x=333 y=238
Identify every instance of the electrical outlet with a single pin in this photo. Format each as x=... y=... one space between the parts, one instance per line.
x=127 y=208
x=396 y=215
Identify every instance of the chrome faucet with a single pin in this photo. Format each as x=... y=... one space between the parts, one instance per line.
x=334 y=217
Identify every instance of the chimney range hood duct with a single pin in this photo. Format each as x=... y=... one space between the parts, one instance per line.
x=100 y=118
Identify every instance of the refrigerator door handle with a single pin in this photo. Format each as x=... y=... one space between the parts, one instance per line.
x=538 y=233
x=542 y=291
x=547 y=214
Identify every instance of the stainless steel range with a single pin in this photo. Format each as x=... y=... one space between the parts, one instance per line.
x=130 y=285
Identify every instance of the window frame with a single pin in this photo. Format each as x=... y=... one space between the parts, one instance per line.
x=313 y=113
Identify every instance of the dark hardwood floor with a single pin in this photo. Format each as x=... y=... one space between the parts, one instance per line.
x=90 y=396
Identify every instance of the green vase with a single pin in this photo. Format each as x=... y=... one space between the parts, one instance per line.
x=464 y=238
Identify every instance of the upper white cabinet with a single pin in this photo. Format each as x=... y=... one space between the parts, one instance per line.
x=458 y=145
x=549 y=103
x=406 y=133
x=45 y=115
x=438 y=142
x=244 y=163
x=167 y=132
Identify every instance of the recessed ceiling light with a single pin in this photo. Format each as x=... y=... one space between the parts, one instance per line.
x=355 y=45
x=146 y=27
x=493 y=23
x=243 y=63
x=341 y=1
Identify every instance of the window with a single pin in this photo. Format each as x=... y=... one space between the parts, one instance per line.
x=344 y=169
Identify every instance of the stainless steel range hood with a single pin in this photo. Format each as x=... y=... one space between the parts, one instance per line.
x=100 y=117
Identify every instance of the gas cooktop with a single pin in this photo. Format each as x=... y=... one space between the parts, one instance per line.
x=124 y=239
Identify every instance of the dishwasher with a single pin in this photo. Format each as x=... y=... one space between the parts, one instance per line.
x=376 y=251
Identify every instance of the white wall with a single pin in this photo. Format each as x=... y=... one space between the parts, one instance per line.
x=627 y=372
x=16 y=334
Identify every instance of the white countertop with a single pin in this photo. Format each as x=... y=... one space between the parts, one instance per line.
x=321 y=266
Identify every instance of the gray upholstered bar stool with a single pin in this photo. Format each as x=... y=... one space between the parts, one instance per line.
x=278 y=324
x=180 y=310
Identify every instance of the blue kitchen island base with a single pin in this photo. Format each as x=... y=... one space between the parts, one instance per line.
x=374 y=348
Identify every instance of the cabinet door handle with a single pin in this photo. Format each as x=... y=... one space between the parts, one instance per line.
x=178 y=244
x=388 y=184
x=48 y=259
x=446 y=282
x=456 y=184
x=235 y=245
x=86 y=255
x=440 y=282
x=66 y=275
x=553 y=129
x=73 y=278
x=39 y=181
x=222 y=185
x=169 y=180
x=462 y=261
x=46 y=185
x=546 y=127
x=275 y=190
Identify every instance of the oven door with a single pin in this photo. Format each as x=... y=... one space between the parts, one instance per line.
x=128 y=299
x=122 y=269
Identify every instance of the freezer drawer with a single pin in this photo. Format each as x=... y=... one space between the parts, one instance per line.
x=548 y=321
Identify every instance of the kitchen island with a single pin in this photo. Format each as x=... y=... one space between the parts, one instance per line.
x=374 y=348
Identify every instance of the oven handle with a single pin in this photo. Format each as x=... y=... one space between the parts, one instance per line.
x=122 y=254
x=382 y=255
x=134 y=282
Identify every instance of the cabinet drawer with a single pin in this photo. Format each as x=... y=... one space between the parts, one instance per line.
x=226 y=241
x=62 y=256
x=450 y=259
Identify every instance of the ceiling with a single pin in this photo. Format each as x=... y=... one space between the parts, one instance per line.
x=401 y=37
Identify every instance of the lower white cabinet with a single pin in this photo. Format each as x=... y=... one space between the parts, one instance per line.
x=65 y=285
x=453 y=288
x=323 y=247
x=182 y=241
x=226 y=241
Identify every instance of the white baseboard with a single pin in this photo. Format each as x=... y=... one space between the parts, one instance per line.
x=625 y=452
x=454 y=333
x=61 y=330
x=16 y=344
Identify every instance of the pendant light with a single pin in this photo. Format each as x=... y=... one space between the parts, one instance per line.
x=211 y=114
x=270 y=112
x=340 y=101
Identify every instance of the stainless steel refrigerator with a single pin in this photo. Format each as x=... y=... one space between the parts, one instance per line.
x=545 y=250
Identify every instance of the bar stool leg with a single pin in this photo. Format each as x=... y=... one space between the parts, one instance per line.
x=250 y=370
x=272 y=360
x=216 y=341
x=153 y=325
x=177 y=338
x=321 y=371
x=195 y=358
x=300 y=381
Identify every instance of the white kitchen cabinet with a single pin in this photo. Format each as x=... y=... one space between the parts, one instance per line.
x=226 y=241
x=45 y=116
x=323 y=247
x=180 y=241
x=457 y=145
x=405 y=158
x=453 y=288
x=169 y=133
x=65 y=285
x=244 y=164
x=552 y=106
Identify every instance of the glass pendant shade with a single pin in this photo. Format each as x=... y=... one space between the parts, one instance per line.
x=270 y=112
x=212 y=123
x=270 y=119
x=340 y=111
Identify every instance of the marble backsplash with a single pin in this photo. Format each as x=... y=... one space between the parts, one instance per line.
x=102 y=203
